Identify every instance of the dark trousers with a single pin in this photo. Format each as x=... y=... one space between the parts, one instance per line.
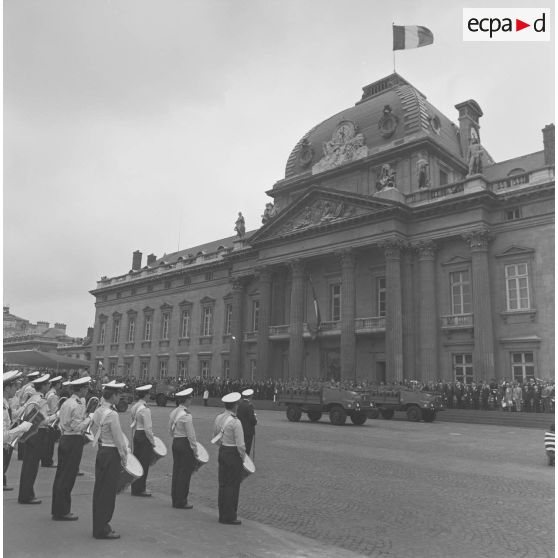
x=143 y=450
x=70 y=450
x=107 y=474
x=205 y=402
x=182 y=469
x=20 y=451
x=230 y=475
x=34 y=449
x=46 y=460
x=248 y=439
x=7 y=456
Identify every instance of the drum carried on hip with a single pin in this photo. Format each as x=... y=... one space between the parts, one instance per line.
x=203 y=457
x=159 y=450
x=131 y=471
x=248 y=467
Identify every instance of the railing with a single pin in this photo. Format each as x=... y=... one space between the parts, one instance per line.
x=518 y=180
x=377 y=323
x=428 y=194
x=457 y=321
x=331 y=325
x=277 y=330
x=250 y=336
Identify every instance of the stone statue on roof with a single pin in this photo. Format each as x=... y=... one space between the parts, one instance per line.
x=240 y=226
x=475 y=154
x=269 y=213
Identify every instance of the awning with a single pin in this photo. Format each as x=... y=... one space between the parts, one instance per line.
x=41 y=359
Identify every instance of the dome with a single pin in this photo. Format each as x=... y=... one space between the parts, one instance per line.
x=391 y=112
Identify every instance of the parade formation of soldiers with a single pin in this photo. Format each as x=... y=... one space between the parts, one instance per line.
x=35 y=418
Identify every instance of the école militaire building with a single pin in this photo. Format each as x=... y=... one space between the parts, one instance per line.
x=393 y=248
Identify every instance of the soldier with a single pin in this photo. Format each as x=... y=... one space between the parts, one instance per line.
x=228 y=434
x=111 y=455
x=34 y=446
x=73 y=423
x=247 y=417
x=142 y=438
x=184 y=449
x=52 y=403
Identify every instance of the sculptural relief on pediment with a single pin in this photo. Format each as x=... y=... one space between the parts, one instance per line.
x=320 y=212
x=345 y=146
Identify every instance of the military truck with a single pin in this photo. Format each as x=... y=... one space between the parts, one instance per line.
x=162 y=392
x=339 y=403
x=419 y=405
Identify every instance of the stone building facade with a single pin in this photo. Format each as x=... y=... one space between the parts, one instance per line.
x=395 y=247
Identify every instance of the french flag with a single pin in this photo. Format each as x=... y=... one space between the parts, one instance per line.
x=411 y=36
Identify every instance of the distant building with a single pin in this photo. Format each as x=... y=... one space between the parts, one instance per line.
x=425 y=258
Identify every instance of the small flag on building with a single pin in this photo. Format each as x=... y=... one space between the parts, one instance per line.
x=411 y=36
x=314 y=328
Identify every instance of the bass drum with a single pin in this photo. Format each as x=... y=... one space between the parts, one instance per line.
x=131 y=471
x=248 y=467
x=159 y=450
x=203 y=457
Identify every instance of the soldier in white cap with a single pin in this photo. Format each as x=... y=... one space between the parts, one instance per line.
x=247 y=417
x=142 y=438
x=23 y=394
x=227 y=432
x=52 y=403
x=35 y=445
x=73 y=422
x=111 y=455
x=10 y=435
x=184 y=449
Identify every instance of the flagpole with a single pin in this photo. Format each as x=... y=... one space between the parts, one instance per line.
x=392 y=25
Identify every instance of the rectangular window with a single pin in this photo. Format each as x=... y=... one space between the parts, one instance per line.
x=185 y=324
x=204 y=368
x=523 y=366
x=147 y=328
x=112 y=369
x=163 y=369
x=226 y=369
x=517 y=287
x=228 y=318
x=128 y=368
x=255 y=315
x=460 y=287
x=183 y=368
x=463 y=368
x=209 y=276
x=131 y=329
x=443 y=178
x=165 y=320
x=253 y=364
x=335 y=302
x=144 y=370
x=207 y=322
x=514 y=213
x=116 y=330
x=102 y=331
x=381 y=296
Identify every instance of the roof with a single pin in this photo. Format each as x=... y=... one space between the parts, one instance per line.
x=391 y=97
x=525 y=163
x=36 y=358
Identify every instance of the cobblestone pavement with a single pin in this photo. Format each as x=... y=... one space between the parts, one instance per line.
x=389 y=488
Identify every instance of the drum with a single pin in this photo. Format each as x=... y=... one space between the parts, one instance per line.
x=159 y=450
x=203 y=457
x=129 y=472
x=248 y=467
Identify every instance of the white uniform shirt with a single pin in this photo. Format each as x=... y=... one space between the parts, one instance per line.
x=141 y=419
x=111 y=434
x=73 y=421
x=181 y=425
x=233 y=434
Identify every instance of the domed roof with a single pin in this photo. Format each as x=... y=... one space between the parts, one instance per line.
x=391 y=112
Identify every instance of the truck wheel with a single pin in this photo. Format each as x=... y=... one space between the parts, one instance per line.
x=429 y=416
x=337 y=416
x=122 y=406
x=314 y=416
x=359 y=418
x=161 y=400
x=414 y=414
x=293 y=413
x=387 y=413
x=373 y=414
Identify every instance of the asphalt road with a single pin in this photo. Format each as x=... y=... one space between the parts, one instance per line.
x=386 y=489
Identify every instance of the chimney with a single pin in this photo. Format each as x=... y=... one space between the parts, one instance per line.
x=136 y=260
x=548 y=141
x=151 y=259
x=6 y=309
x=90 y=332
x=42 y=326
x=469 y=114
x=60 y=326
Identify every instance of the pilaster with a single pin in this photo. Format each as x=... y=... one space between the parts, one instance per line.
x=264 y=280
x=348 y=338
x=296 y=342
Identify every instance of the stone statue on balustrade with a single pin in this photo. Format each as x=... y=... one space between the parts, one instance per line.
x=476 y=152
x=423 y=171
x=240 y=226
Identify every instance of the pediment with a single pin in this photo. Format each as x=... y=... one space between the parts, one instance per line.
x=457 y=260
x=515 y=250
x=318 y=208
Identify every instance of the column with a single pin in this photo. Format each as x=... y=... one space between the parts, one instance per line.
x=428 y=317
x=348 y=338
x=483 y=352
x=236 y=330
x=264 y=322
x=394 y=318
x=296 y=342
x=407 y=313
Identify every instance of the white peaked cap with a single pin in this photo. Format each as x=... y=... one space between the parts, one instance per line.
x=184 y=392
x=231 y=397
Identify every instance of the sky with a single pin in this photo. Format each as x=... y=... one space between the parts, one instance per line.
x=148 y=124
